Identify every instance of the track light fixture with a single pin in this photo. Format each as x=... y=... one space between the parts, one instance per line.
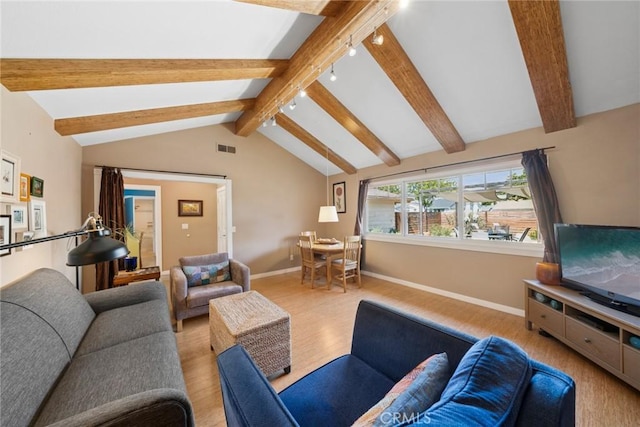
x=273 y=121
x=302 y=92
x=333 y=76
x=292 y=106
x=377 y=39
x=352 y=50
x=280 y=107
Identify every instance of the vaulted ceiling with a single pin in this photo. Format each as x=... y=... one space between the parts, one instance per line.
x=447 y=73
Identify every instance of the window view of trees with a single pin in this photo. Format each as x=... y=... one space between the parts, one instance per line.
x=490 y=205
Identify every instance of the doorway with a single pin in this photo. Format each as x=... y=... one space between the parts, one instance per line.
x=143 y=218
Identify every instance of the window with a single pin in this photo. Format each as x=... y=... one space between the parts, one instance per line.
x=479 y=205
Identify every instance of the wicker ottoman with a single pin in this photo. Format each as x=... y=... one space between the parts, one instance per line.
x=263 y=329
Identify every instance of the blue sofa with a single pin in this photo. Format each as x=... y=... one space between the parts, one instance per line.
x=491 y=381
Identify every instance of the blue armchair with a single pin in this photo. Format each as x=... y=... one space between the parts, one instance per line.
x=491 y=381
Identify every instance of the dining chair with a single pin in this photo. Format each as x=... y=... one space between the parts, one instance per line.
x=309 y=261
x=314 y=237
x=348 y=267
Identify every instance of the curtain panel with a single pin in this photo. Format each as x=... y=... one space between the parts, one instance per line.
x=545 y=201
x=111 y=208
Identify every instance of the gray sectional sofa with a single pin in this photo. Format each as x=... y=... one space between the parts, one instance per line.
x=108 y=358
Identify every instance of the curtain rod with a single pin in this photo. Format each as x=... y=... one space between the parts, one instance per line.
x=459 y=163
x=161 y=171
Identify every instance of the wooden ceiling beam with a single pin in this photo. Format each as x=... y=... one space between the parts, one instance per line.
x=44 y=74
x=78 y=125
x=539 y=28
x=395 y=62
x=329 y=103
x=325 y=45
x=312 y=142
x=312 y=7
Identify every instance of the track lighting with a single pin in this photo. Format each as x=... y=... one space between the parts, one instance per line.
x=377 y=39
x=302 y=92
x=280 y=107
x=333 y=77
x=352 y=50
x=273 y=121
x=292 y=106
x=264 y=124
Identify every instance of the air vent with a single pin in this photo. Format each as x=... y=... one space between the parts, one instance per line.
x=226 y=149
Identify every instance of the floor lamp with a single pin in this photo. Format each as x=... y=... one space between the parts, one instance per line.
x=97 y=247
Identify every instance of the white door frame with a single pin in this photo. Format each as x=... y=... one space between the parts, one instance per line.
x=157 y=217
x=165 y=176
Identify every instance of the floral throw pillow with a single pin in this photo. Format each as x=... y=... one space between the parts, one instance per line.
x=414 y=393
x=198 y=275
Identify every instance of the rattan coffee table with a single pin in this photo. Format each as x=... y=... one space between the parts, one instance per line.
x=259 y=325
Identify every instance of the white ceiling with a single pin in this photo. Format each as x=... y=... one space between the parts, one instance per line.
x=466 y=51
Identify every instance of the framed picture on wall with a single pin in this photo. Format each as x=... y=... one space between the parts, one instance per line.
x=25 y=187
x=5 y=233
x=19 y=216
x=339 y=199
x=38 y=218
x=189 y=207
x=37 y=187
x=9 y=175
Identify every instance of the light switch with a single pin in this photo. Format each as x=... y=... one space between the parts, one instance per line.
x=185 y=226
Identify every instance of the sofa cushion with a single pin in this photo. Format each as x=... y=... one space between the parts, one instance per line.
x=414 y=393
x=486 y=389
x=200 y=295
x=51 y=296
x=198 y=275
x=32 y=358
x=336 y=393
x=124 y=324
x=117 y=372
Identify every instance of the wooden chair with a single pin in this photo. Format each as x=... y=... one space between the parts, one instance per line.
x=314 y=237
x=309 y=261
x=348 y=267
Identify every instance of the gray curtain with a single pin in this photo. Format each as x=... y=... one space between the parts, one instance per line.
x=111 y=208
x=362 y=201
x=545 y=201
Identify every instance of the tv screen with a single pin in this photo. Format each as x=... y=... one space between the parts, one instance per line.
x=604 y=260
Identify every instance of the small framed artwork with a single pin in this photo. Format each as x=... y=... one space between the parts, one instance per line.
x=5 y=233
x=24 y=236
x=37 y=187
x=189 y=207
x=38 y=218
x=25 y=187
x=339 y=200
x=19 y=216
x=9 y=175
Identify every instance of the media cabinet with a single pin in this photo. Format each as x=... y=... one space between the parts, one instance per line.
x=599 y=333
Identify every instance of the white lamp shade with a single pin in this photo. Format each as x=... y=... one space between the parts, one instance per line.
x=328 y=214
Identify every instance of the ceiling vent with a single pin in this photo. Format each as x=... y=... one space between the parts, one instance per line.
x=226 y=148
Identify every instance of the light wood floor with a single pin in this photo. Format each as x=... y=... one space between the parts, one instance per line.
x=321 y=328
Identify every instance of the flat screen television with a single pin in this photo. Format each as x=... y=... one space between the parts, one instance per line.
x=603 y=262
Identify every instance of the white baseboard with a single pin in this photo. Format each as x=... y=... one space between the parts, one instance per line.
x=275 y=272
x=459 y=297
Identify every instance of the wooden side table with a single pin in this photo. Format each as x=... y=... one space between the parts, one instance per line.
x=126 y=277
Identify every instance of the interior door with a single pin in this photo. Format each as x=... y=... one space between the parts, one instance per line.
x=222 y=218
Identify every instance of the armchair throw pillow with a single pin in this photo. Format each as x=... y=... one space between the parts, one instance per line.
x=410 y=396
x=198 y=275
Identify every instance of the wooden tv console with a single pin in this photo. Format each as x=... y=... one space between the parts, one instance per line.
x=599 y=333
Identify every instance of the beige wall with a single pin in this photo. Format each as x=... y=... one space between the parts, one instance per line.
x=275 y=195
x=596 y=172
x=27 y=132
x=202 y=235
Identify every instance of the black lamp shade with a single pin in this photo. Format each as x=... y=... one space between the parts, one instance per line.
x=97 y=248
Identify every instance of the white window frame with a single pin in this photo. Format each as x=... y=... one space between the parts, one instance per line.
x=535 y=250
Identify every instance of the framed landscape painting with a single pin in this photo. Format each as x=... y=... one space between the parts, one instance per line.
x=189 y=207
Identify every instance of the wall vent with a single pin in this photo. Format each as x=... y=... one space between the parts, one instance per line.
x=226 y=149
